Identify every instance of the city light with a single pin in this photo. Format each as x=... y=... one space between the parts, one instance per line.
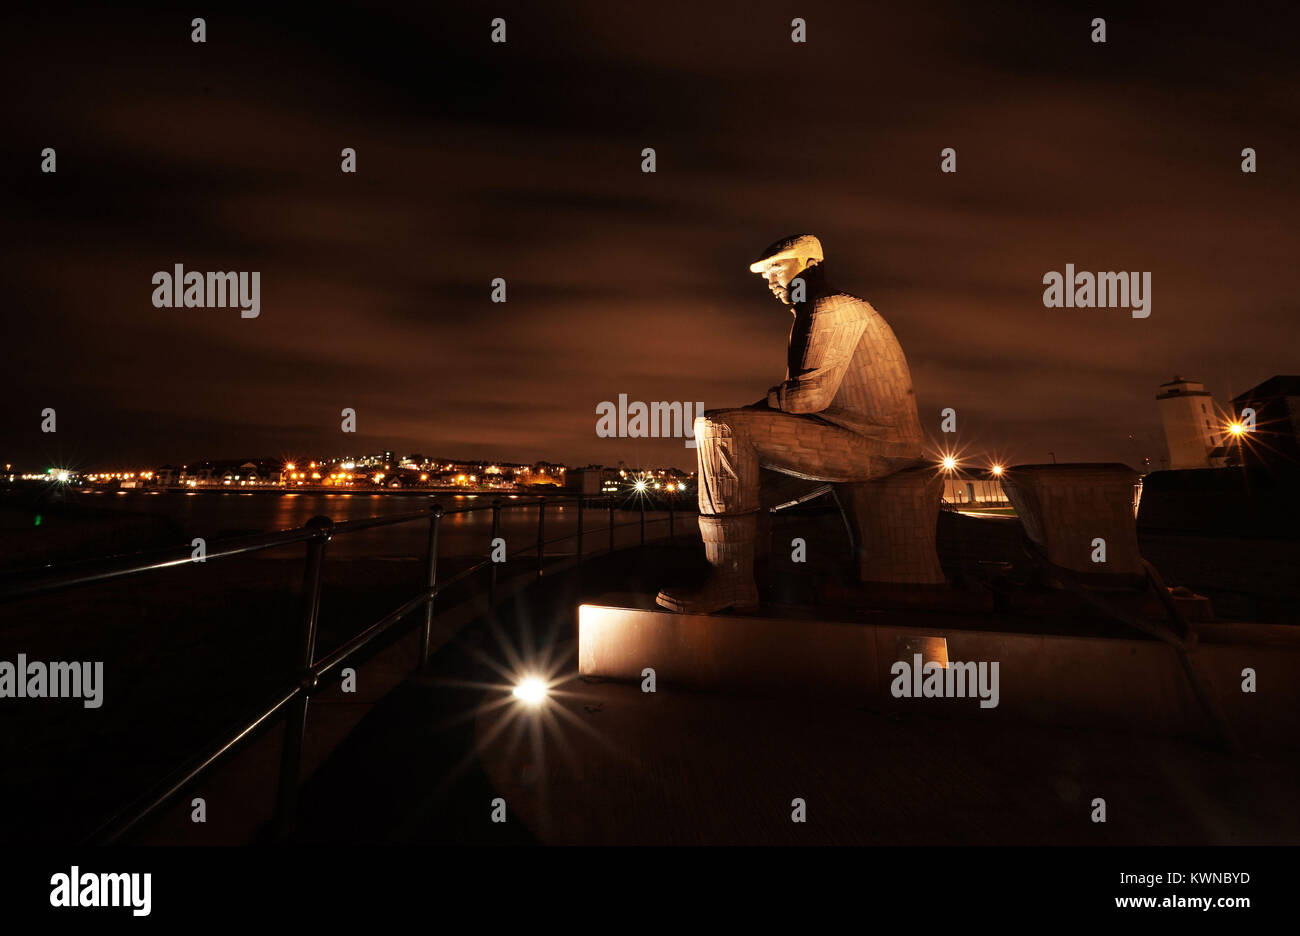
x=1236 y=429
x=997 y=470
x=949 y=463
x=372 y=471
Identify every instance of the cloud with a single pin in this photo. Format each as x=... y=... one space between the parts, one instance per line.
x=522 y=162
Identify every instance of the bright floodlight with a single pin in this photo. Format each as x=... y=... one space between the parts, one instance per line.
x=1236 y=428
x=949 y=463
x=531 y=691
x=640 y=485
x=62 y=476
x=997 y=469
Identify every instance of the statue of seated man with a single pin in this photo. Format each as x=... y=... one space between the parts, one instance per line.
x=845 y=413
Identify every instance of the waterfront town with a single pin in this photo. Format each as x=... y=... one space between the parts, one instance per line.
x=381 y=471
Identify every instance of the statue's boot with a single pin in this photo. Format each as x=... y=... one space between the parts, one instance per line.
x=729 y=547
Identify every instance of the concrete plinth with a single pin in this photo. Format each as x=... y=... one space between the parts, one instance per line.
x=1050 y=678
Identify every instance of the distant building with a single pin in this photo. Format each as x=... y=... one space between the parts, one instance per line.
x=545 y=473
x=597 y=479
x=235 y=473
x=1275 y=441
x=593 y=479
x=975 y=491
x=1192 y=430
x=1253 y=496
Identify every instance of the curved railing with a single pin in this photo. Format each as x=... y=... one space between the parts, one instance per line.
x=291 y=701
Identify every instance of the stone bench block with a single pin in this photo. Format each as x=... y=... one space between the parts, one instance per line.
x=1067 y=508
x=893 y=520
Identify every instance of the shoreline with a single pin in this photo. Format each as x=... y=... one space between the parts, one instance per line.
x=349 y=492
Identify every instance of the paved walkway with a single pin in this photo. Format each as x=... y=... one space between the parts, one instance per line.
x=676 y=767
x=606 y=763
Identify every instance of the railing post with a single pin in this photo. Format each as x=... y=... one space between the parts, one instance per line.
x=611 y=523
x=643 y=520
x=295 y=728
x=671 y=535
x=496 y=534
x=579 y=529
x=541 y=534
x=431 y=579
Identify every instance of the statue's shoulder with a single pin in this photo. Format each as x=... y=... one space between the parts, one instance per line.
x=843 y=304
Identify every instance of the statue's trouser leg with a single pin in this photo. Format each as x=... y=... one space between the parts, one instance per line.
x=732 y=445
x=728 y=465
x=891 y=511
x=728 y=494
x=729 y=548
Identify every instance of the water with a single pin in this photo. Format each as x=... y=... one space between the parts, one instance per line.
x=214 y=515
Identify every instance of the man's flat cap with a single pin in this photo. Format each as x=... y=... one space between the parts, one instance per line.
x=802 y=246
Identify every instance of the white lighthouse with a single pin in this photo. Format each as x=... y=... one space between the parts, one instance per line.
x=1192 y=429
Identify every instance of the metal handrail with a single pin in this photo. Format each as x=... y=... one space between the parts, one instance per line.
x=33 y=582
x=116 y=567
x=292 y=701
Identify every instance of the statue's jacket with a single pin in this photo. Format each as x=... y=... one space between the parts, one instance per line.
x=845 y=366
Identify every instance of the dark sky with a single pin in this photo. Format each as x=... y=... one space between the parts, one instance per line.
x=523 y=161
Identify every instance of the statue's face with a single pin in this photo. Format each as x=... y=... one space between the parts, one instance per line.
x=779 y=274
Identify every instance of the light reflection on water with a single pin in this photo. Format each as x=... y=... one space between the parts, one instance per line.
x=228 y=513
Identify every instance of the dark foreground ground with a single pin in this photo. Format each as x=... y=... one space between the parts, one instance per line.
x=187 y=654
x=625 y=767
x=605 y=763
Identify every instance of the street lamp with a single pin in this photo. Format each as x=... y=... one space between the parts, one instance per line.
x=531 y=691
